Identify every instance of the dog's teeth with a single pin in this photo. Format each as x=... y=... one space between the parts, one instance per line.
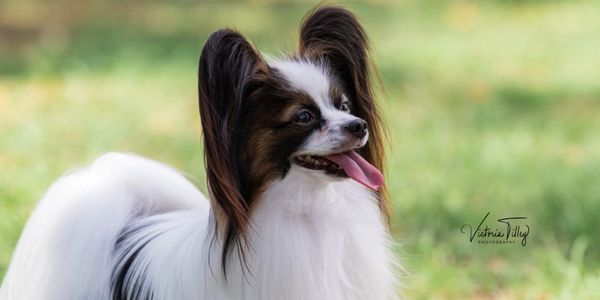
x=318 y=163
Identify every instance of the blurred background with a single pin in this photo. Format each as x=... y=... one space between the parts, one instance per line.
x=492 y=106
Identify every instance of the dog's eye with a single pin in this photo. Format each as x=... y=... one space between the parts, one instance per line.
x=345 y=106
x=304 y=116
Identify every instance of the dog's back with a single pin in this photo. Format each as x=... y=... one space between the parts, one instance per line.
x=68 y=247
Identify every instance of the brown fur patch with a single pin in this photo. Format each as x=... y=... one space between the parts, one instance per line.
x=335 y=92
x=247 y=111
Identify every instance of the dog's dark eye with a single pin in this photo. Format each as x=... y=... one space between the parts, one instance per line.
x=304 y=116
x=345 y=106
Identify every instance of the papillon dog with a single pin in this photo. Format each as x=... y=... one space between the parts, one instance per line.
x=293 y=152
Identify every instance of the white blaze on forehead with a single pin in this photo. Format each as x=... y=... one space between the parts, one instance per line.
x=307 y=77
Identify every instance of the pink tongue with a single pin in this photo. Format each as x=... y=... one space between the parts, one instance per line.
x=358 y=169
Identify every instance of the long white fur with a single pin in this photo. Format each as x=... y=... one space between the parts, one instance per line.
x=312 y=237
x=308 y=77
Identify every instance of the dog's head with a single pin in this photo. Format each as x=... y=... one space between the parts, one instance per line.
x=314 y=110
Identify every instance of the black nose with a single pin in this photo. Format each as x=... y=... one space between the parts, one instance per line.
x=357 y=128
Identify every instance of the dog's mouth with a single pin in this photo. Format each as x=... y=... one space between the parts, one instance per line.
x=347 y=164
x=315 y=162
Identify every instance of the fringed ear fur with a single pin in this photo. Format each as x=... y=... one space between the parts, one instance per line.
x=227 y=65
x=333 y=35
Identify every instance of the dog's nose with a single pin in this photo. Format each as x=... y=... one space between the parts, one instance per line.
x=357 y=128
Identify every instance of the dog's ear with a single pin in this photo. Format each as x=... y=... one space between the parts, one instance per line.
x=333 y=36
x=228 y=64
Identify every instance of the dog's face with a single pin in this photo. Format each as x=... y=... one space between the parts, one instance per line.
x=324 y=112
x=311 y=110
x=298 y=113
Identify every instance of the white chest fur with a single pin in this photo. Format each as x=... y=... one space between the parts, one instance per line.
x=317 y=239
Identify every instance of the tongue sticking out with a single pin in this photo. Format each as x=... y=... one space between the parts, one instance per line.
x=358 y=169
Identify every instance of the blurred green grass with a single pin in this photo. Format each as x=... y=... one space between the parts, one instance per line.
x=491 y=106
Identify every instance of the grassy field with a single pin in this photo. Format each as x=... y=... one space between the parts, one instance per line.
x=492 y=106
